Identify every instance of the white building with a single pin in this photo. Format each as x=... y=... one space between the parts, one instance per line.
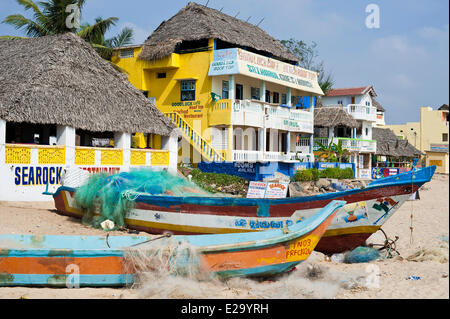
x=360 y=103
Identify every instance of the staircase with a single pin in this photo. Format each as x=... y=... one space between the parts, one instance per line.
x=196 y=139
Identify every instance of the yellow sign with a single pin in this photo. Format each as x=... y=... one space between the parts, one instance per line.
x=301 y=248
x=435 y=162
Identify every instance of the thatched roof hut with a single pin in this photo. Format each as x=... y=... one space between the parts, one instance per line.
x=62 y=80
x=197 y=22
x=330 y=116
x=388 y=144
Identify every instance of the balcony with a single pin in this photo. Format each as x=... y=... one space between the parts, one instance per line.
x=351 y=144
x=260 y=114
x=362 y=112
x=259 y=156
x=284 y=118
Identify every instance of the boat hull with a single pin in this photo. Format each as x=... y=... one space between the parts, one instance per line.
x=83 y=261
x=366 y=211
x=64 y=261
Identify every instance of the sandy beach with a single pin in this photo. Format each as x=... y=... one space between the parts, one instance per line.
x=424 y=253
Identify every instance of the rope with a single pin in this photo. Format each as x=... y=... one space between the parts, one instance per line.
x=411 y=240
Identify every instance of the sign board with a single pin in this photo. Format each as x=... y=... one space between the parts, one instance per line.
x=239 y=61
x=267 y=190
x=439 y=148
x=277 y=190
x=365 y=173
x=256 y=190
x=393 y=171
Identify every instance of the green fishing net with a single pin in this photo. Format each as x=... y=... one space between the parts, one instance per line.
x=111 y=197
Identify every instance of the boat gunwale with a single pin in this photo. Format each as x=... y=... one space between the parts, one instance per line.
x=272 y=237
x=237 y=201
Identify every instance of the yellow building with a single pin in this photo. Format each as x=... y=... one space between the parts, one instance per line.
x=231 y=88
x=430 y=136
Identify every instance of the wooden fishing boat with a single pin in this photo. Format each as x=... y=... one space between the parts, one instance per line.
x=366 y=211
x=64 y=261
x=78 y=261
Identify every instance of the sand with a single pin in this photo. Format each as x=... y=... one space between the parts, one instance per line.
x=318 y=277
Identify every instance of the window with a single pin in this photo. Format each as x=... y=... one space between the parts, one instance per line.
x=283 y=98
x=127 y=53
x=276 y=97
x=444 y=137
x=239 y=92
x=367 y=131
x=161 y=75
x=225 y=90
x=340 y=102
x=267 y=96
x=188 y=90
x=255 y=94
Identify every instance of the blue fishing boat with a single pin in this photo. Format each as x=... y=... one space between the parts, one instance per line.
x=366 y=211
x=27 y=260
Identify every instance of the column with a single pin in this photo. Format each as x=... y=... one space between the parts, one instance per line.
x=170 y=143
x=65 y=135
x=2 y=141
x=231 y=88
x=288 y=135
x=262 y=90
x=230 y=146
x=288 y=142
x=123 y=141
x=288 y=96
x=311 y=138
x=263 y=140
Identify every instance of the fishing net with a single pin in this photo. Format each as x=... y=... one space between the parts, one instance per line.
x=362 y=255
x=164 y=258
x=111 y=197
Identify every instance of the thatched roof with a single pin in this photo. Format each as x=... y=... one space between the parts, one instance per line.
x=197 y=22
x=443 y=107
x=330 y=116
x=62 y=80
x=388 y=144
x=378 y=105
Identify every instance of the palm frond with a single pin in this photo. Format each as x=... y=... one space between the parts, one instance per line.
x=125 y=37
x=32 y=28
x=95 y=33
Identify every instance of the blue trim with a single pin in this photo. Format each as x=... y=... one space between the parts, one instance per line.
x=60 y=280
x=67 y=246
x=421 y=176
x=269 y=270
x=255 y=240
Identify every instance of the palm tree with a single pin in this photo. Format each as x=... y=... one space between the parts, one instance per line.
x=326 y=152
x=50 y=18
x=340 y=151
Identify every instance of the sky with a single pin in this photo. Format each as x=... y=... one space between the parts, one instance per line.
x=405 y=57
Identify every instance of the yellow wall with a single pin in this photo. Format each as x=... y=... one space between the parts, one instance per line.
x=167 y=91
x=429 y=131
x=407 y=132
x=432 y=126
x=440 y=160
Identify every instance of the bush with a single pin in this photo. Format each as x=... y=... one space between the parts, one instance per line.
x=306 y=175
x=337 y=173
x=347 y=173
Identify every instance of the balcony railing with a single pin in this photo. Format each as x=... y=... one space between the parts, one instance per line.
x=362 y=112
x=259 y=156
x=260 y=114
x=351 y=144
